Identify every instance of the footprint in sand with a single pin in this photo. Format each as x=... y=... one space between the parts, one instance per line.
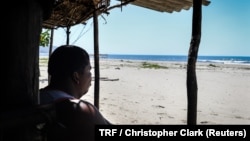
x=239 y=117
x=162 y=115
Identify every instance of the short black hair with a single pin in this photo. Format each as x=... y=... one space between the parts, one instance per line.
x=67 y=59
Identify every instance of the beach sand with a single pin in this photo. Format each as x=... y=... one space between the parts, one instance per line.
x=132 y=94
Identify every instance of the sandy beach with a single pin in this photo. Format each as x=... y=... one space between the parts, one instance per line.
x=139 y=92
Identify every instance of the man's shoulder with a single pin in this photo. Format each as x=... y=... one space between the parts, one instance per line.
x=81 y=111
x=76 y=106
x=84 y=107
x=80 y=101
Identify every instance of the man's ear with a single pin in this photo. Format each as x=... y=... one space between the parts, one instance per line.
x=76 y=77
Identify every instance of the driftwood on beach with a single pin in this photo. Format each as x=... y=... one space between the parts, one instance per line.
x=107 y=79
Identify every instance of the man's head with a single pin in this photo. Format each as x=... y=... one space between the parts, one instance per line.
x=71 y=63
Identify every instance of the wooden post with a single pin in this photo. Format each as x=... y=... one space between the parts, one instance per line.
x=96 y=60
x=191 y=65
x=67 y=32
x=51 y=41
x=51 y=47
x=21 y=63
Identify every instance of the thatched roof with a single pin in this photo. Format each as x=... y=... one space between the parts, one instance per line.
x=71 y=12
x=67 y=13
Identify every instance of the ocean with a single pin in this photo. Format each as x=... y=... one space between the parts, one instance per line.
x=245 y=60
x=182 y=58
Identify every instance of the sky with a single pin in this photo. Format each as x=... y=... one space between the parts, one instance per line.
x=141 y=31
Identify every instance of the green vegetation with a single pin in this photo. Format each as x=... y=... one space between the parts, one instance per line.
x=212 y=65
x=44 y=38
x=43 y=61
x=153 y=66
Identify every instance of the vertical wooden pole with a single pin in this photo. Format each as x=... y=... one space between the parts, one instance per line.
x=21 y=63
x=96 y=60
x=51 y=41
x=191 y=64
x=51 y=47
x=67 y=32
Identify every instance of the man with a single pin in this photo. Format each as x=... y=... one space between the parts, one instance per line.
x=70 y=78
